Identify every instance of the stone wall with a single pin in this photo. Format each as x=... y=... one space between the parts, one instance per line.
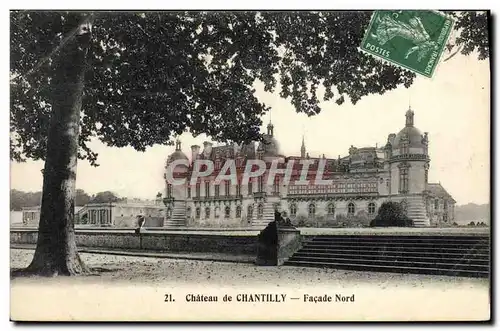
x=289 y=242
x=152 y=240
x=131 y=221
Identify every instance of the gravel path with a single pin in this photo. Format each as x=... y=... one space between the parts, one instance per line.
x=147 y=270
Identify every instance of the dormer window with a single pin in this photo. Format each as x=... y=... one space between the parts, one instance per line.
x=404 y=149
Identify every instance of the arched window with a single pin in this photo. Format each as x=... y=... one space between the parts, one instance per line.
x=250 y=212
x=198 y=213
x=260 y=211
x=238 y=211
x=207 y=212
x=351 y=209
x=371 y=208
x=217 y=212
x=293 y=210
x=331 y=209
x=312 y=209
x=227 y=212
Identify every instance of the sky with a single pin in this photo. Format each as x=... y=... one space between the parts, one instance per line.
x=453 y=107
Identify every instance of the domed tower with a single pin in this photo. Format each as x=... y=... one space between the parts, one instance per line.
x=270 y=147
x=175 y=195
x=408 y=166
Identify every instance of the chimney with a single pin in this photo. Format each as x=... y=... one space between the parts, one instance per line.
x=195 y=150
x=207 y=148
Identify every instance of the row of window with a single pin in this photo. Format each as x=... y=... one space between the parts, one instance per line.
x=227 y=188
x=227 y=212
x=296 y=189
x=436 y=204
x=351 y=209
x=334 y=188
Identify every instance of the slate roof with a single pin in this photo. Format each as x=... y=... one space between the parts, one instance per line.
x=437 y=190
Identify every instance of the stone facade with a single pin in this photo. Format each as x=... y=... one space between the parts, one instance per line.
x=362 y=181
x=122 y=214
x=31 y=215
x=440 y=205
x=114 y=214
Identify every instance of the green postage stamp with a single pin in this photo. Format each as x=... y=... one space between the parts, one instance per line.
x=413 y=39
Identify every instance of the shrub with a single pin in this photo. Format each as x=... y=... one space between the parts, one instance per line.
x=391 y=214
x=342 y=220
x=362 y=218
x=327 y=221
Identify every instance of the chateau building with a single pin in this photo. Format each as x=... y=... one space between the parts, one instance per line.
x=361 y=182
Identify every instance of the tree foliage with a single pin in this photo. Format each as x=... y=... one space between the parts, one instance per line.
x=81 y=198
x=104 y=197
x=155 y=75
x=473 y=34
x=20 y=199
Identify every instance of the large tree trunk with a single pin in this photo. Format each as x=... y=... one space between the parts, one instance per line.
x=56 y=252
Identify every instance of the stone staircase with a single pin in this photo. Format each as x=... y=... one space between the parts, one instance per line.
x=440 y=255
x=79 y=215
x=267 y=216
x=417 y=211
x=178 y=217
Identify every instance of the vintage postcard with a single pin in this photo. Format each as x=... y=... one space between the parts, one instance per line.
x=250 y=166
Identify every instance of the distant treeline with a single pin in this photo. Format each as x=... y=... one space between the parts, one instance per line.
x=473 y=212
x=20 y=199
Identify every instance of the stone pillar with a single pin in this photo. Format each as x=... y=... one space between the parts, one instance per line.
x=277 y=242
